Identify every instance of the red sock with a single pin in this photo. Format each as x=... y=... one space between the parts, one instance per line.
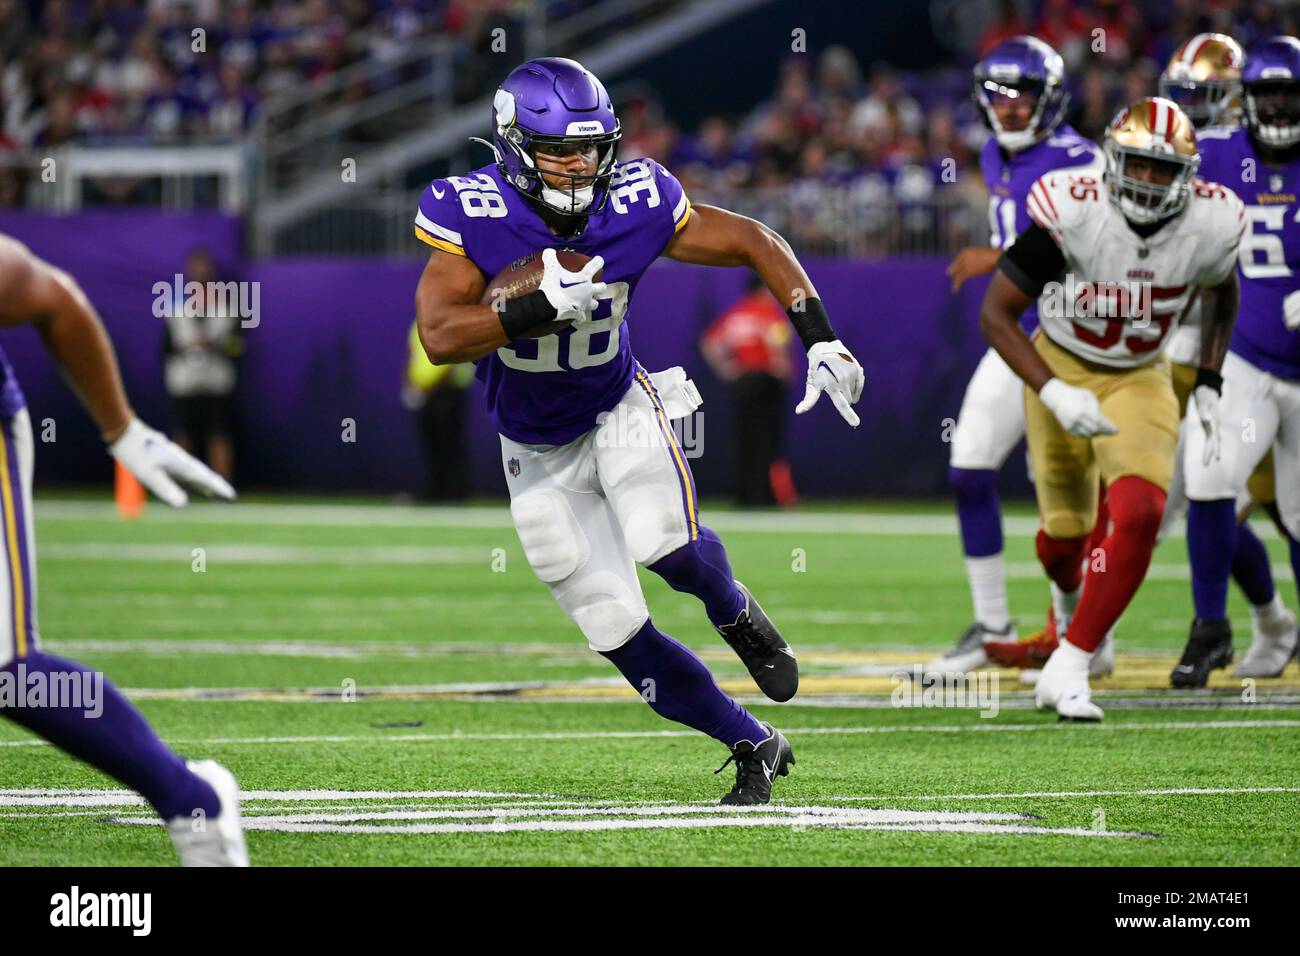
x=1135 y=506
x=1062 y=559
x=1102 y=527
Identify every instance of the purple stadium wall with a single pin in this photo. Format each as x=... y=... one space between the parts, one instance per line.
x=331 y=344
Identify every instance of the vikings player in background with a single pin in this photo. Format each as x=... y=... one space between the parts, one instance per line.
x=1204 y=78
x=1019 y=88
x=198 y=801
x=1261 y=374
x=589 y=502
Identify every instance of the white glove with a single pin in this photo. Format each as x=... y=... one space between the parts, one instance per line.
x=1291 y=311
x=156 y=461
x=833 y=369
x=1077 y=409
x=1206 y=402
x=572 y=294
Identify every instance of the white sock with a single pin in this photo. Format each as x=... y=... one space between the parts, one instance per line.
x=1264 y=613
x=988 y=591
x=1063 y=605
x=1073 y=657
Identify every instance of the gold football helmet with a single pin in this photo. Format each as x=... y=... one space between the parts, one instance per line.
x=1204 y=78
x=1151 y=157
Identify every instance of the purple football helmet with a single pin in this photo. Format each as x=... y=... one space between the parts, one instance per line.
x=1022 y=66
x=1271 y=91
x=555 y=104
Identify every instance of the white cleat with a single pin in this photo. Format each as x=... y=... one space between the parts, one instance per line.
x=1063 y=685
x=212 y=842
x=1103 y=658
x=1272 y=644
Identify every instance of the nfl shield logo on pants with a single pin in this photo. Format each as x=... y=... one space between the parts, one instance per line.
x=513 y=465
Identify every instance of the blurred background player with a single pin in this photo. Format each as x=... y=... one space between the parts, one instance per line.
x=748 y=347
x=198 y=801
x=436 y=394
x=589 y=500
x=1261 y=375
x=201 y=368
x=1099 y=399
x=1019 y=88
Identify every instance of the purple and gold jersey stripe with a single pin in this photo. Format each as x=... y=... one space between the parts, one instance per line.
x=684 y=476
x=682 y=214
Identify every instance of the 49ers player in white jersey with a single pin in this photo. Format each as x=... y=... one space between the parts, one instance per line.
x=1114 y=262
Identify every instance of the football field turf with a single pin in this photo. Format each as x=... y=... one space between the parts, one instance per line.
x=392 y=685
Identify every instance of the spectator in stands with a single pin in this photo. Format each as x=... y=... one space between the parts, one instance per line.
x=748 y=347
x=201 y=352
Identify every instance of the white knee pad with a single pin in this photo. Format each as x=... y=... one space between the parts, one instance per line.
x=549 y=533
x=605 y=608
x=654 y=523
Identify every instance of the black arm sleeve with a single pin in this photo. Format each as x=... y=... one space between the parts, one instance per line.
x=1033 y=260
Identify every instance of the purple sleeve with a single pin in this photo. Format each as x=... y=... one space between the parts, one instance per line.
x=438 y=218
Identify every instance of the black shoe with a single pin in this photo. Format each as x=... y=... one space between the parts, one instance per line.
x=1208 y=647
x=762 y=650
x=756 y=767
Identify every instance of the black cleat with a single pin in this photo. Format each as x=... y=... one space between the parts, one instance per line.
x=763 y=651
x=1209 y=646
x=756 y=767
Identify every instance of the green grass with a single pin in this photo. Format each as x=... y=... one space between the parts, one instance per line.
x=342 y=617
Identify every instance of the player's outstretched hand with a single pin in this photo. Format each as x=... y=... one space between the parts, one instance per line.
x=1206 y=401
x=574 y=295
x=971 y=262
x=159 y=464
x=1077 y=409
x=833 y=369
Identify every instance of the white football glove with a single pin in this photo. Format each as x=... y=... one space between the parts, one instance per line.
x=573 y=294
x=1291 y=311
x=833 y=369
x=1206 y=402
x=1077 y=409
x=156 y=461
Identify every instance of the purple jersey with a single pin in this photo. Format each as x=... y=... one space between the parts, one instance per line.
x=1009 y=177
x=549 y=391
x=1268 y=262
x=11 y=396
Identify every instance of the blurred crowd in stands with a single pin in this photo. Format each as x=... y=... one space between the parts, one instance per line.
x=843 y=155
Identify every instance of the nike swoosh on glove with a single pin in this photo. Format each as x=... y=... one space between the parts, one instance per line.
x=159 y=464
x=1077 y=409
x=573 y=295
x=1206 y=401
x=833 y=369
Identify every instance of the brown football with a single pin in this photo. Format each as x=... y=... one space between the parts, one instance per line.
x=523 y=276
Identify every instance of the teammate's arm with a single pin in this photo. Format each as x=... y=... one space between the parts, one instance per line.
x=1218 y=315
x=34 y=292
x=716 y=237
x=1034 y=260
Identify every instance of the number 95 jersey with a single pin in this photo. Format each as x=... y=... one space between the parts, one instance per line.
x=550 y=390
x=1122 y=294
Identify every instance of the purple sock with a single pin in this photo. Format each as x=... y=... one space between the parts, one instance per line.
x=677 y=685
x=700 y=567
x=1295 y=561
x=109 y=734
x=1211 y=542
x=978 y=510
x=1250 y=567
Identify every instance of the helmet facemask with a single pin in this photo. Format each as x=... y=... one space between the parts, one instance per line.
x=1146 y=201
x=1211 y=102
x=1273 y=112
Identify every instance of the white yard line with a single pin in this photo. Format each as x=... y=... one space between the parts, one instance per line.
x=249 y=553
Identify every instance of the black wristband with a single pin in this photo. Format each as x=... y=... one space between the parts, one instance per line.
x=811 y=322
x=525 y=312
x=1210 y=378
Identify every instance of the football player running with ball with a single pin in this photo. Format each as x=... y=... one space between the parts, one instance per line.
x=1132 y=249
x=589 y=498
x=1020 y=90
x=1204 y=78
x=1260 y=404
x=198 y=801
